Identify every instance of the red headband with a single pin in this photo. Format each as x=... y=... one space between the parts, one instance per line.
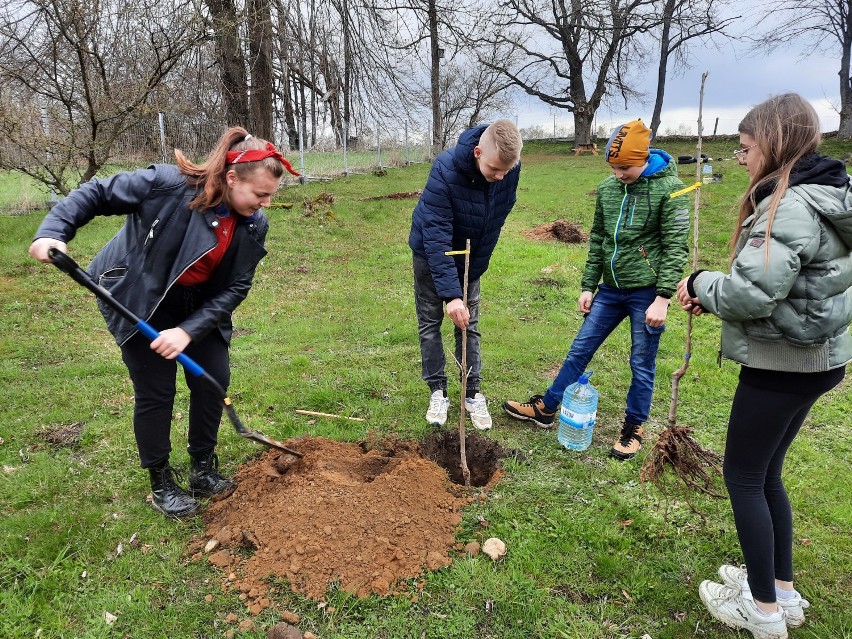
x=255 y=155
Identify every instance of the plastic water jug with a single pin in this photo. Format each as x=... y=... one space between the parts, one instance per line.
x=577 y=414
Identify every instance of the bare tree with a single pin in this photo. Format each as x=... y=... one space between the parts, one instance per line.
x=74 y=76
x=682 y=21
x=825 y=25
x=259 y=34
x=225 y=25
x=563 y=45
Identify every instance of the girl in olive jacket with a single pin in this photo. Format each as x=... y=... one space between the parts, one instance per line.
x=785 y=307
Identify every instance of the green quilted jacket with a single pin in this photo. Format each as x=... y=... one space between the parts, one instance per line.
x=792 y=311
x=639 y=237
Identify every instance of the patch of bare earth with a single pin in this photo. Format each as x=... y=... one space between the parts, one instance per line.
x=560 y=230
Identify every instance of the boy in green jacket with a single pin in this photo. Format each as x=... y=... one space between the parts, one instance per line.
x=637 y=253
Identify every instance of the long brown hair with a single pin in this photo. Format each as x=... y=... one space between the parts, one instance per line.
x=785 y=128
x=210 y=175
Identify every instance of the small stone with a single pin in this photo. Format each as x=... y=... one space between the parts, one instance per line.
x=246 y=625
x=283 y=631
x=211 y=545
x=208 y=598
x=472 y=548
x=494 y=548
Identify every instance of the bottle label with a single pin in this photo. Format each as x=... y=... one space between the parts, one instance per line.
x=581 y=421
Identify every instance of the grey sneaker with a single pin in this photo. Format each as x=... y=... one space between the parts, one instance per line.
x=438 y=406
x=736 y=609
x=735 y=577
x=477 y=408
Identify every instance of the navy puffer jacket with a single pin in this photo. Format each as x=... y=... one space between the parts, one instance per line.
x=457 y=204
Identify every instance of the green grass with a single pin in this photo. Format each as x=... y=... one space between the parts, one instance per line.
x=330 y=326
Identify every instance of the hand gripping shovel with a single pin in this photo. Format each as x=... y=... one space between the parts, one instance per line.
x=64 y=263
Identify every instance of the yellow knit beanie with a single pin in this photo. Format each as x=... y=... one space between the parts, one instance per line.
x=628 y=145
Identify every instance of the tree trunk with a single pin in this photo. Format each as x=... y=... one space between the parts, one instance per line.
x=260 y=50
x=665 y=37
x=844 y=129
x=583 y=118
x=229 y=55
x=437 y=126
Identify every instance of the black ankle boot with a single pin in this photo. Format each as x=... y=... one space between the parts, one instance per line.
x=168 y=497
x=205 y=480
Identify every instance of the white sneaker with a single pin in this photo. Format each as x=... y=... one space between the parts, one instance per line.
x=736 y=609
x=438 y=406
x=477 y=408
x=735 y=577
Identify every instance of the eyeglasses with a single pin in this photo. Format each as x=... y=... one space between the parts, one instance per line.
x=740 y=154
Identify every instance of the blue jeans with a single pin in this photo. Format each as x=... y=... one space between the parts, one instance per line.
x=609 y=307
x=430 y=315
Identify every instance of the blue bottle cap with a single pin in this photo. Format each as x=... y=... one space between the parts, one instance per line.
x=584 y=378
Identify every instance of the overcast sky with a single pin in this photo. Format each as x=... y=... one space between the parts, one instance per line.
x=735 y=84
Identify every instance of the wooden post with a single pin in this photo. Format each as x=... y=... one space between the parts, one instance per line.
x=464 y=373
x=682 y=370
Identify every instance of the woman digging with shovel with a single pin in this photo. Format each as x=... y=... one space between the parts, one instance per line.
x=785 y=308
x=184 y=260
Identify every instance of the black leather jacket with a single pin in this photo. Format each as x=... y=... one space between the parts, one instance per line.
x=161 y=238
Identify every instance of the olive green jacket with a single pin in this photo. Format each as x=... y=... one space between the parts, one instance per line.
x=789 y=311
x=639 y=236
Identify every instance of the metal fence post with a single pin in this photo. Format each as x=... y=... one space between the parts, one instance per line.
x=45 y=125
x=161 y=122
x=407 y=154
x=303 y=178
x=378 y=145
x=345 y=148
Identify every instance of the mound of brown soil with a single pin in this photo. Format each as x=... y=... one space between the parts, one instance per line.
x=366 y=520
x=560 y=230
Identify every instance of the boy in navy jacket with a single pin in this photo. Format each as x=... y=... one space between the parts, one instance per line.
x=470 y=192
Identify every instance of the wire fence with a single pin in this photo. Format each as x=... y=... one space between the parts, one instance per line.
x=153 y=140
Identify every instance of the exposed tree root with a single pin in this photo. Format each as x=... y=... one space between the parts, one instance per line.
x=675 y=449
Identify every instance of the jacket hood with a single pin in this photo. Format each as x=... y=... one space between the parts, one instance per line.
x=823 y=183
x=819 y=169
x=463 y=151
x=833 y=204
x=657 y=161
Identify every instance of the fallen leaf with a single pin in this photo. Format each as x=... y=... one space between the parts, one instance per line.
x=626 y=522
x=806 y=542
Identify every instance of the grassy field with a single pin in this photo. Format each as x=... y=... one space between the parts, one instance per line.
x=330 y=326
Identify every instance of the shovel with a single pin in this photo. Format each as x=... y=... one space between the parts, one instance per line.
x=64 y=263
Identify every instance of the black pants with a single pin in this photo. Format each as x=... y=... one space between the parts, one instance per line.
x=768 y=410
x=154 y=384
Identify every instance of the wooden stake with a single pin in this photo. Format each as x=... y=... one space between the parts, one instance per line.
x=313 y=412
x=680 y=372
x=675 y=448
x=464 y=373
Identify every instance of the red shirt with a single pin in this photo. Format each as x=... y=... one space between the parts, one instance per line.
x=203 y=269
